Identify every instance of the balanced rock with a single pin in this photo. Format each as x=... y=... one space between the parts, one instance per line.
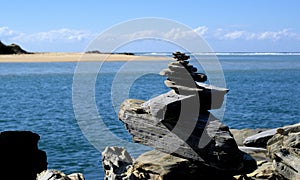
x=179 y=123
x=20 y=157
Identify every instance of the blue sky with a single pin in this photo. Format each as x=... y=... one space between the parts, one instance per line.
x=232 y=25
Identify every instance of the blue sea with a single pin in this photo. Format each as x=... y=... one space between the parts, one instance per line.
x=264 y=93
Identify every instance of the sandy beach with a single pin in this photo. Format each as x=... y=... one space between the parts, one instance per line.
x=74 y=57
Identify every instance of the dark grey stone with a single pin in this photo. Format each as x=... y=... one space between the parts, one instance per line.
x=260 y=139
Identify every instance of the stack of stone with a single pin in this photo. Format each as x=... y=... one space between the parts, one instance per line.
x=184 y=79
x=182 y=76
x=179 y=123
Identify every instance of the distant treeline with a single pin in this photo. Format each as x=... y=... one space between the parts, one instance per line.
x=99 y=52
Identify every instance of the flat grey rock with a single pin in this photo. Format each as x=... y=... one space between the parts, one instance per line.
x=260 y=139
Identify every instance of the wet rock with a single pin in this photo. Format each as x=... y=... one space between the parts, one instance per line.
x=20 y=157
x=116 y=161
x=58 y=175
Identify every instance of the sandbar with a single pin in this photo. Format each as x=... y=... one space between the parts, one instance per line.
x=75 y=57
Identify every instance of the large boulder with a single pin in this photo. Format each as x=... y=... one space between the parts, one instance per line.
x=205 y=140
x=20 y=157
x=158 y=165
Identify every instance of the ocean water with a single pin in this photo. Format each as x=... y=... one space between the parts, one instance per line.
x=264 y=93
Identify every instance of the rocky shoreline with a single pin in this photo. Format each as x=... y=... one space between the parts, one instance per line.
x=278 y=158
x=277 y=151
x=190 y=143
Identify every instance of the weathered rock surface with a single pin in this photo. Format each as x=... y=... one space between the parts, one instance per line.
x=282 y=157
x=20 y=157
x=154 y=165
x=265 y=170
x=58 y=175
x=158 y=165
x=116 y=161
x=218 y=150
x=284 y=149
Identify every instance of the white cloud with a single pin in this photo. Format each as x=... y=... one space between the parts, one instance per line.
x=222 y=34
x=73 y=35
x=177 y=33
x=6 y=33
x=234 y=35
x=61 y=35
x=141 y=34
x=273 y=35
x=81 y=38
x=202 y=30
x=52 y=40
x=172 y=34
